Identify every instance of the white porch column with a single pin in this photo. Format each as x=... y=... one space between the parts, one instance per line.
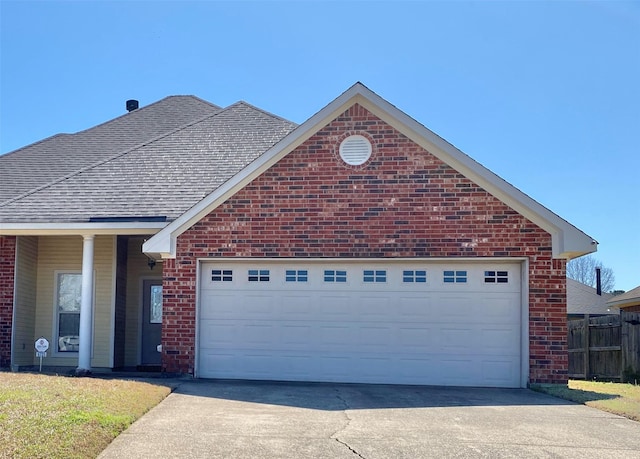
x=86 y=307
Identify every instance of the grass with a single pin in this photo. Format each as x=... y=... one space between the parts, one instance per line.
x=63 y=417
x=621 y=399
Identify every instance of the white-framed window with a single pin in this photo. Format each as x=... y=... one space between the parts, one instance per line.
x=68 y=296
x=457 y=277
x=374 y=275
x=296 y=275
x=414 y=275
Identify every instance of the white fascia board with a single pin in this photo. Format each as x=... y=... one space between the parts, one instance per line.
x=567 y=241
x=68 y=229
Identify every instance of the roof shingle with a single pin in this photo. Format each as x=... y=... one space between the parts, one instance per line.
x=48 y=160
x=164 y=177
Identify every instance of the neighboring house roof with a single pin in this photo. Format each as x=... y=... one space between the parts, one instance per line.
x=44 y=162
x=567 y=240
x=627 y=299
x=163 y=177
x=583 y=299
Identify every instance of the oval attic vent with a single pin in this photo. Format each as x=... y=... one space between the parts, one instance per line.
x=355 y=150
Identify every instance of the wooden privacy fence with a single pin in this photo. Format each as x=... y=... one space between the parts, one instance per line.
x=606 y=347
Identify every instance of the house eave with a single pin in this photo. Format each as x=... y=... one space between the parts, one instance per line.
x=72 y=229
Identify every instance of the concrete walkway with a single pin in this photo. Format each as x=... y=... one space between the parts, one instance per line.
x=239 y=419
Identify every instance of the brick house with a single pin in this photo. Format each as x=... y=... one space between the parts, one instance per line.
x=230 y=243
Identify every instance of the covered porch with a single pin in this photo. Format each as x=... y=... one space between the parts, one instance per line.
x=95 y=297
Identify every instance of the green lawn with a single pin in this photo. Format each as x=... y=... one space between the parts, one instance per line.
x=622 y=399
x=63 y=417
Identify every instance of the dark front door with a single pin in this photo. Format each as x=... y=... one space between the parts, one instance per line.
x=151 y=322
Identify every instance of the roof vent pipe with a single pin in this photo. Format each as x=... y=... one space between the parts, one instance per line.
x=132 y=105
x=598 y=282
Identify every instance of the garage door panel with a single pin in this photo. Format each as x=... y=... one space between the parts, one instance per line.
x=376 y=336
x=415 y=309
x=497 y=340
x=499 y=372
x=455 y=307
x=297 y=335
x=218 y=306
x=378 y=332
x=258 y=305
x=499 y=308
x=456 y=340
x=332 y=307
x=335 y=335
x=295 y=306
x=416 y=339
x=372 y=307
x=217 y=333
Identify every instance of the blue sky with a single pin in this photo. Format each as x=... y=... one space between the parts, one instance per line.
x=544 y=93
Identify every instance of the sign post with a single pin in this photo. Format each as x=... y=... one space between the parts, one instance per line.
x=42 y=345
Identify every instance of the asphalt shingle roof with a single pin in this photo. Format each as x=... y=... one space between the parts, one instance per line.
x=164 y=177
x=583 y=299
x=627 y=298
x=44 y=162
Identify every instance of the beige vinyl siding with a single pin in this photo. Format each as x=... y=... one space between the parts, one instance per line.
x=64 y=253
x=137 y=271
x=25 y=301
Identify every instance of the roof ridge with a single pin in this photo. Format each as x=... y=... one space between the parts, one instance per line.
x=199 y=99
x=109 y=159
x=261 y=110
x=59 y=134
x=138 y=110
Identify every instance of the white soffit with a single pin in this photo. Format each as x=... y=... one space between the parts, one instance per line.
x=63 y=229
x=567 y=241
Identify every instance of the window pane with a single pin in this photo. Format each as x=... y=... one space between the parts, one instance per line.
x=68 y=331
x=219 y=275
x=155 y=312
x=69 y=294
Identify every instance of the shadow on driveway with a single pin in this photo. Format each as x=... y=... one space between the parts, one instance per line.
x=337 y=397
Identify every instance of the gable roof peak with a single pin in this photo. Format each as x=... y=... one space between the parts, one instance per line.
x=567 y=241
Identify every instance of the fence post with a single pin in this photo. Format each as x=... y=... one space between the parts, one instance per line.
x=587 y=344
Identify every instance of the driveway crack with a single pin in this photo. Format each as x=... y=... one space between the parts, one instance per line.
x=345 y=426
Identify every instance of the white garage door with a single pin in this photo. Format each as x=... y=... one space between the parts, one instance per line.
x=361 y=321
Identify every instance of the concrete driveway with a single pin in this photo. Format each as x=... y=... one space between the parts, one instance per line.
x=239 y=419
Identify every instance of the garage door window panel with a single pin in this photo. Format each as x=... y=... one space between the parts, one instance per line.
x=258 y=275
x=414 y=276
x=496 y=277
x=296 y=275
x=374 y=276
x=335 y=275
x=455 y=277
x=221 y=275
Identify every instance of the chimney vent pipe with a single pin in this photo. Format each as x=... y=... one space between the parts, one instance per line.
x=132 y=105
x=598 y=282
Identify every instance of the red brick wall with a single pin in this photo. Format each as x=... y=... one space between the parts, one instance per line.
x=403 y=203
x=7 y=269
x=632 y=309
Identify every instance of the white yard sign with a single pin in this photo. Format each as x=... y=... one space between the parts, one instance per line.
x=42 y=345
